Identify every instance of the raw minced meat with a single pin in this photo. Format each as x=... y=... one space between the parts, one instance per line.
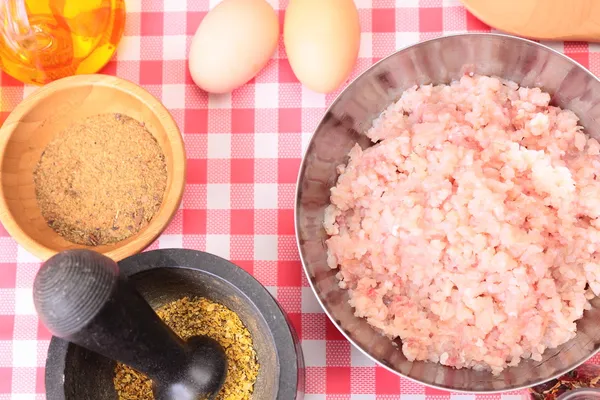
x=470 y=230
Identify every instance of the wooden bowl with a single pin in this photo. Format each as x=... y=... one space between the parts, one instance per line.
x=541 y=19
x=43 y=115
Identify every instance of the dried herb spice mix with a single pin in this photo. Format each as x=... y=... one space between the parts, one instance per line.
x=192 y=317
x=101 y=180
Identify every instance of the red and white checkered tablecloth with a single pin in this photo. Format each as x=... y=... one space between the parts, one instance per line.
x=244 y=150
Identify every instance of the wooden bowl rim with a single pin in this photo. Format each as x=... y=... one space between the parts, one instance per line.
x=558 y=33
x=172 y=199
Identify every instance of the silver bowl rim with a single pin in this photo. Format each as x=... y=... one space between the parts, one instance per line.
x=306 y=272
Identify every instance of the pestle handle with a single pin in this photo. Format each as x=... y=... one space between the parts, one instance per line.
x=81 y=297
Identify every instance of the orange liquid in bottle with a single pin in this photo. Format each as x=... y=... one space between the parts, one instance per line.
x=65 y=37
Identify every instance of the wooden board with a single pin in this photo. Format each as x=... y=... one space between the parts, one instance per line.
x=576 y=20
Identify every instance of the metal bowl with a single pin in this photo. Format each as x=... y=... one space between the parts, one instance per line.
x=435 y=61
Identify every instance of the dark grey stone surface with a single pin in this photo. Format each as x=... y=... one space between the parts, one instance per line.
x=162 y=276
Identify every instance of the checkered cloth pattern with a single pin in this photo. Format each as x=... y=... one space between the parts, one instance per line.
x=243 y=150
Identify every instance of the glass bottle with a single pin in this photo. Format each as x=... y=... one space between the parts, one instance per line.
x=44 y=40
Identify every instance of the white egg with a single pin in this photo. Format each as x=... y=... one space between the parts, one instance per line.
x=234 y=41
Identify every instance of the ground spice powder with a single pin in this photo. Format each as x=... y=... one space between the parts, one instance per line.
x=101 y=180
x=192 y=317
